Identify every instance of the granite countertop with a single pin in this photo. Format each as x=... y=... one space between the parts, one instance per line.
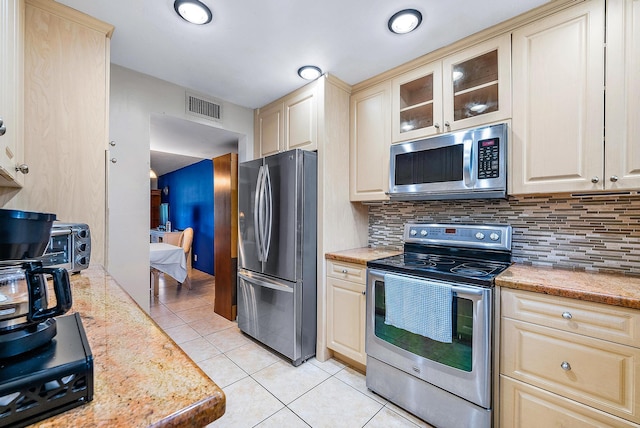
x=361 y=255
x=610 y=289
x=141 y=377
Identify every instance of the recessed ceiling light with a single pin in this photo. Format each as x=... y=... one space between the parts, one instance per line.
x=309 y=72
x=405 y=21
x=193 y=11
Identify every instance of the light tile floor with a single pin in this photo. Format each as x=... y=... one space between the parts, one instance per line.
x=263 y=389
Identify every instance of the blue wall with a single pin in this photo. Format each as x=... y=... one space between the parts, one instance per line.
x=191 y=205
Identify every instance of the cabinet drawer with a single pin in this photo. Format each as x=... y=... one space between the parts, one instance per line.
x=348 y=271
x=525 y=406
x=613 y=323
x=597 y=373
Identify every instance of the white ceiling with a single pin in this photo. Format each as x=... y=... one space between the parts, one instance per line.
x=249 y=54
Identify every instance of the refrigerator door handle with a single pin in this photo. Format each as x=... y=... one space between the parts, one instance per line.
x=253 y=280
x=256 y=213
x=269 y=213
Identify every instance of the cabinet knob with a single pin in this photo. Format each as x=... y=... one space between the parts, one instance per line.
x=114 y=160
x=447 y=125
x=594 y=180
x=565 y=366
x=345 y=271
x=3 y=128
x=613 y=178
x=364 y=292
x=23 y=168
x=566 y=315
x=436 y=125
x=112 y=143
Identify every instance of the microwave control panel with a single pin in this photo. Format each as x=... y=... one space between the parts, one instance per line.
x=489 y=158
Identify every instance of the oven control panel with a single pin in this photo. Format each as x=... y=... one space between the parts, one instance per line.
x=466 y=235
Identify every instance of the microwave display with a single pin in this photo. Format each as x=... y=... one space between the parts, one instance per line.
x=489 y=158
x=437 y=165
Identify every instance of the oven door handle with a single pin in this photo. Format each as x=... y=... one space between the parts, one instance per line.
x=458 y=289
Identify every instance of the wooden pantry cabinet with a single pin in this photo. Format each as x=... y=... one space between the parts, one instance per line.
x=468 y=88
x=565 y=362
x=564 y=139
x=288 y=123
x=369 y=143
x=11 y=92
x=346 y=309
x=66 y=107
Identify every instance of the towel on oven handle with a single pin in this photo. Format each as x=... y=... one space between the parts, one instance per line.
x=418 y=305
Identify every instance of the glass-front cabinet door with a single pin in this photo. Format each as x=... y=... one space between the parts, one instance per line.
x=477 y=84
x=466 y=89
x=417 y=103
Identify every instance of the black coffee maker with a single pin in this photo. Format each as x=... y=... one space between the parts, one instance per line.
x=46 y=365
x=26 y=320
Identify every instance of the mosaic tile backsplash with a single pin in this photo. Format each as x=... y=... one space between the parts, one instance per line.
x=595 y=233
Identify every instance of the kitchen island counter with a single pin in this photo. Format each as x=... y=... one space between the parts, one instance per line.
x=361 y=256
x=610 y=289
x=141 y=377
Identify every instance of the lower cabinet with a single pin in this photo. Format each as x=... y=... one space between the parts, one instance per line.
x=568 y=363
x=346 y=309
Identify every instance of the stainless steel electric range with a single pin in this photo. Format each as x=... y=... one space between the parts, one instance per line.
x=429 y=333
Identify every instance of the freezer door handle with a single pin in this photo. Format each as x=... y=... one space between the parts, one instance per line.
x=256 y=213
x=252 y=279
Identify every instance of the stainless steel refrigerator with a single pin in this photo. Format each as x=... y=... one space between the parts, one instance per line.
x=277 y=204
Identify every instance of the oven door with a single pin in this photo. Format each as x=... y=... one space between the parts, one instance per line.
x=462 y=367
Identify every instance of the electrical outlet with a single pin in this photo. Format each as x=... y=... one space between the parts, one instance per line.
x=195 y=257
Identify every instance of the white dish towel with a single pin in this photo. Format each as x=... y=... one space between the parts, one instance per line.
x=418 y=305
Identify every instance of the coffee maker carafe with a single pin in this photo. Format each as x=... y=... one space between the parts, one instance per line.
x=26 y=318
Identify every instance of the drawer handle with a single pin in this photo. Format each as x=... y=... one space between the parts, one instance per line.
x=565 y=366
x=566 y=315
x=345 y=271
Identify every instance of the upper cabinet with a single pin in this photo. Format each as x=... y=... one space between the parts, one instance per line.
x=288 y=123
x=269 y=126
x=370 y=139
x=469 y=88
x=622 y=103
x=11 y=92
x=558 y=110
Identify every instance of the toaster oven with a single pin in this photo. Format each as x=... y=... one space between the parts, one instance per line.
x=69 y=247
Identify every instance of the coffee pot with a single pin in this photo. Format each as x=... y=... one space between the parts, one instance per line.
x=26 y=317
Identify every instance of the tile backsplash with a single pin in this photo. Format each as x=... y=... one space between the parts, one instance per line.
x=593 y=233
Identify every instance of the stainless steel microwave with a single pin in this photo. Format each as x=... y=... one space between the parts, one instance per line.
x=468 y=164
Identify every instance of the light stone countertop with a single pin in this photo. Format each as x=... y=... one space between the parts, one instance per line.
x=610 y=289
x=141 y=377
x=361 y=255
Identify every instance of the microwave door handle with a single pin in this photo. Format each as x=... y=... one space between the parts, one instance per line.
x=468 y=169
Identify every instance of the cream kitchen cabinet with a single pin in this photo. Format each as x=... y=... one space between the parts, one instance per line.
x=565 y=362
x=346 y=309
x=370 y=139
x=11 y=92
x=468 y=88
x=269 y=129
x=558 y=109
x=288 y=123
x=622 y=100
x=66 y=105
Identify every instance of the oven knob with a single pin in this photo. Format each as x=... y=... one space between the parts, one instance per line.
x=423 y=232
x=413 y=232
x=494 y=236
x=480 y=236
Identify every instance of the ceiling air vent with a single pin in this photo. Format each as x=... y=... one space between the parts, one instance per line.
x=197 y=105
